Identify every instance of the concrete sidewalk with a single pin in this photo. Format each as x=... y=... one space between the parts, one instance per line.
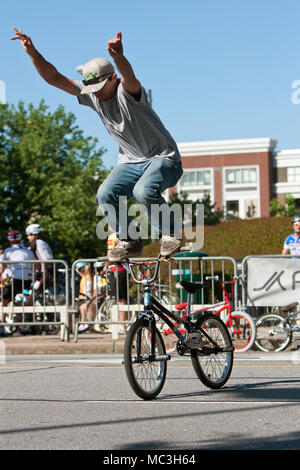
x=88 y=343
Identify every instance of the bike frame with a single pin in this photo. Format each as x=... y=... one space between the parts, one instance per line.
x=284 y=323
x=153 y=307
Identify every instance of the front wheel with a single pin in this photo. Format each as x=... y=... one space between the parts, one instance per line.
x=213 y=361
x=272 y=334
x=145 y=376
x=242 y=330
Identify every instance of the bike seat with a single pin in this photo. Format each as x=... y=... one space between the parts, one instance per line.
x=191 y=287
x=181 y=306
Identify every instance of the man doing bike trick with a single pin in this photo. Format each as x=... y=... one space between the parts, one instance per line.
x=148 y=162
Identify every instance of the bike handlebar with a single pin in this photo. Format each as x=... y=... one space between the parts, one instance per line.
x=147 y=280
x=129 y=265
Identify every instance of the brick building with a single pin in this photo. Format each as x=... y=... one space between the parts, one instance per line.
x=241 y=176
x=287 y=175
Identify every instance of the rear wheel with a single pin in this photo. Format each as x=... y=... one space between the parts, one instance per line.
x=145 y=376
x=102 y=314
x=242 y=331
x=272 y=333
x=213 y=361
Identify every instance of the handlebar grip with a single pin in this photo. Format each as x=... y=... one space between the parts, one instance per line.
x=102 y=258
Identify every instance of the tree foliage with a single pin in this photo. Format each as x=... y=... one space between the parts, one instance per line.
x=49 y=174
x=279 y=209
x=212 y=215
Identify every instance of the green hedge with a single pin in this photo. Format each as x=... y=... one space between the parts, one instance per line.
x=240 y=238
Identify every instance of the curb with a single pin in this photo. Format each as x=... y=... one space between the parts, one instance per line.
x=40 y=345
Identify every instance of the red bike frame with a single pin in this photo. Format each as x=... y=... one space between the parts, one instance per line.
x=225 y=305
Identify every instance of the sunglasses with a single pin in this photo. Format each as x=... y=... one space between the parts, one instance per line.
x=93 y=81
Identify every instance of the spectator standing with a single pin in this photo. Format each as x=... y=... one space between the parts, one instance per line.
x=292 y=242
x=43 y=252
x=85 y=294
x=21 y=274
x=117 y=282
x=99 y=279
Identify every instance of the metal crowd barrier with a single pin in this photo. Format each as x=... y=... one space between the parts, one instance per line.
x=46 y=307
x=208 y=270
x=264 y=282
x=103 y=308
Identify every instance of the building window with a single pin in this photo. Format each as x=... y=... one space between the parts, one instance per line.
x=297 y=205
x=241 y=176
x=232 y=208
x=293 y=174
x=196 y=178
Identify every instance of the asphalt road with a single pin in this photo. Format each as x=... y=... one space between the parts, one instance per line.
x=84 y=402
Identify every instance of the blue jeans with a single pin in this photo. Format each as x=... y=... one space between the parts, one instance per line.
x=145 y=181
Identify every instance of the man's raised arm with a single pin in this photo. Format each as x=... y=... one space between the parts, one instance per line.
x=128 y=78
x=47 y=71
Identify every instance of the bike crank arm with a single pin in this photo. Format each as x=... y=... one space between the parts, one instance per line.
x=139 y=360
x=208 y=351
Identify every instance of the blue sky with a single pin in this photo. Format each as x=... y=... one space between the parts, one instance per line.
x=217 y=69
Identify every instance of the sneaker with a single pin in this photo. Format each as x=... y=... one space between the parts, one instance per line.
x=122 y=331
x=169 y=245
x=125 y=249
x=83 y=328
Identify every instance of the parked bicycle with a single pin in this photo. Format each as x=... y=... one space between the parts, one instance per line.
x=205 y=340
x=39 y=302
x=240 y=325
x=102 y=304
x=274 y=332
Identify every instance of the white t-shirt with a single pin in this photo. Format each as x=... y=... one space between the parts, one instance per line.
x=19 y=253
x=133 y=124
x=43 y=250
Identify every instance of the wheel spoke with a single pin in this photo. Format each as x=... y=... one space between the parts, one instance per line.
x=213 y=369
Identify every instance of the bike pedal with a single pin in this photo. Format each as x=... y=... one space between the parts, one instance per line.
x=162 y=258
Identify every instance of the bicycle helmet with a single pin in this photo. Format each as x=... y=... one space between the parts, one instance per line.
x=14 y=235
x=296 y=218
x=79 y=265
x=33 y=229
x=99 y=264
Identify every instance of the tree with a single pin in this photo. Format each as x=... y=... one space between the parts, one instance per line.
x=47 y=176
x=212 y=215
x=279 y=209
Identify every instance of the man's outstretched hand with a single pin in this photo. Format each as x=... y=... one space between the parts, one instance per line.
x=25 y=40
x=115 y=46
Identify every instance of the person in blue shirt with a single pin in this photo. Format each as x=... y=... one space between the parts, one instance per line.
x=292 y=242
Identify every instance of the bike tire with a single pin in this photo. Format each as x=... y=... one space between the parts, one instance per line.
x=244 y=332
x=101 y=315
x=213 y=369
x=270 y=337
x=145 y=378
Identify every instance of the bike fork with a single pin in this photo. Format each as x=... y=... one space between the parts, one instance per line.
x=152 y=357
